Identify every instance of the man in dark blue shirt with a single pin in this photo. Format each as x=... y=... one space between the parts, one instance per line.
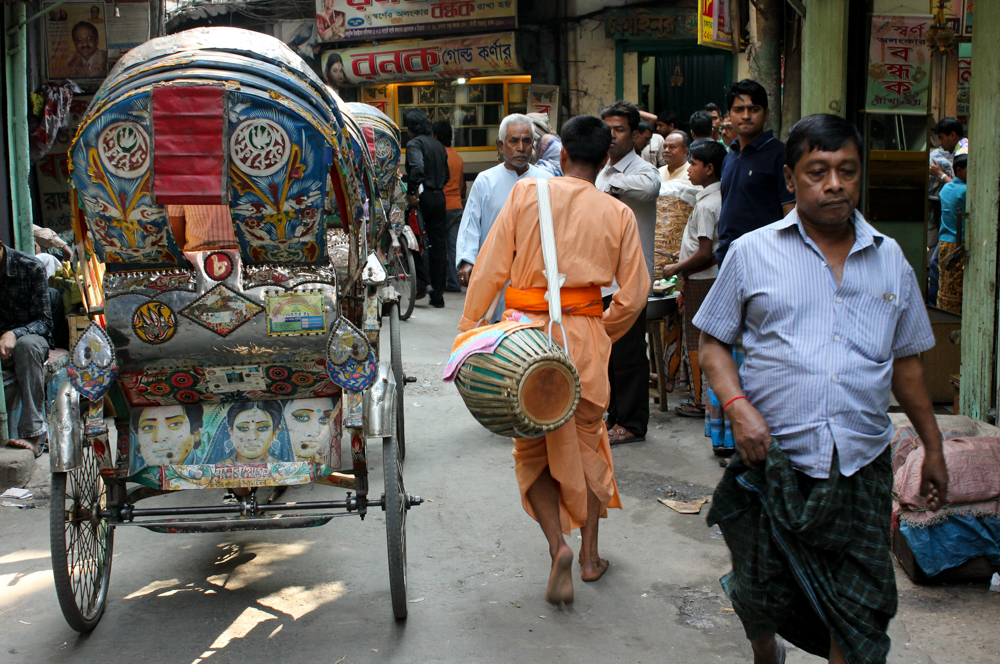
x=753 y=179
x=25 y=339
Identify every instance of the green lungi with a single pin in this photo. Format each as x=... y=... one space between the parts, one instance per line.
x=810 y=556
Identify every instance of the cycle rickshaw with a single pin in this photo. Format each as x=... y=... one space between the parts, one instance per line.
x=231 y=368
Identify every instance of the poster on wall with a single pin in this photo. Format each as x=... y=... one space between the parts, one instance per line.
x=967 y=19
x=76 y=41
x=714 y=24
x=426 y=60
x=381 y=97
x=127 y=29
x=544 y=99
x=83 y=40
x=350 y=20
x=964 y=87
x=302 y=36
x=899 y=65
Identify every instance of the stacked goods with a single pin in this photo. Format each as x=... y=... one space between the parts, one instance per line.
x=671 y=218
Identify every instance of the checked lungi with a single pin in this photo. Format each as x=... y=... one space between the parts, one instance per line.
x=810 y=556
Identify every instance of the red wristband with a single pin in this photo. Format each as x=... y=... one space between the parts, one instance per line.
x=732 y=400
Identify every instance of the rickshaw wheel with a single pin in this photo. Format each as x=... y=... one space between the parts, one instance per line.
x=407 y=286
x=81 y=543
x=396 y=349
x=395 y=503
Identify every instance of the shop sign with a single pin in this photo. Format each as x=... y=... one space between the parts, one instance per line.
x=437 y=59
x=651 y=24
x=348 y=20
x=381 y=97
x=899 y=65
x=964 y=88
x=52 y=171
x=715 y=25
x=544 y=99
x=84 y=39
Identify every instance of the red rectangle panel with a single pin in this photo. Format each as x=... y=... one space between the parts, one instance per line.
x=188 y=156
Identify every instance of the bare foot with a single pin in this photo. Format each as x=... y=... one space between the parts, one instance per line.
x=30 y=444
x=592 y=572
x=560 y=590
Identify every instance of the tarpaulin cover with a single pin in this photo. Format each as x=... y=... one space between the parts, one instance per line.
x=188 y=144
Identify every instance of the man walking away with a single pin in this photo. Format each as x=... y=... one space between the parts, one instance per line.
x=753 y=180
x=454 y=194
x=649 y=145
x=566 y=477
x=675 y=156
x=636 y=184
x=831 y=318
x=427 y=173
x=490 y=190
x=25 y=340
x=697 y=258
x=701 y=126
x=951 y=238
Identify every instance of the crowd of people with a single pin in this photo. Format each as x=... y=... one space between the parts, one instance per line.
x=787 y=292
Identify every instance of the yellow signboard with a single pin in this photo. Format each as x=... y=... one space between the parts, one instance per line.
x=715 y=27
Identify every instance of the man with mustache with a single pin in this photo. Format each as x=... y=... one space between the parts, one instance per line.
x=832 y=320
x=753 y=181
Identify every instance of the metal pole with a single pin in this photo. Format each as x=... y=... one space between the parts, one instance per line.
x=16 y=64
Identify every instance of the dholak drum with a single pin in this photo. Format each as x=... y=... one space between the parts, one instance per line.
x=524 y=389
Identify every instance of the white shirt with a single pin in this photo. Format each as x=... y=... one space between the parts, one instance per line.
x=653 y=153
x=636 y=184
x=703 y=222
x=486 y=198
x=680 y=174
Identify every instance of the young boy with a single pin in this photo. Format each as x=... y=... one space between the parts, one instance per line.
x=950 y=237
x=697 y=257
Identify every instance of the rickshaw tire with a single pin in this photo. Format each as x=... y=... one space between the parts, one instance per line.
x=395 y=523
x=409 y=265
x=396 y=350
x=81 y=619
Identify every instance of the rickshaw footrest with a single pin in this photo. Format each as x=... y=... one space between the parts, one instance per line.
x=230 y=524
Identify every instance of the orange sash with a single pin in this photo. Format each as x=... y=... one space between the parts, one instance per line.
x=583 y=301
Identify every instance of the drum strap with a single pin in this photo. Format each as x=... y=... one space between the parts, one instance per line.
x=552 y=276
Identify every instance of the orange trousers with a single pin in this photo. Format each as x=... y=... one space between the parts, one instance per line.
x=578 y=456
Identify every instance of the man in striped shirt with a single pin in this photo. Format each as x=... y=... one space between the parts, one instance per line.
x=200 y=227
x=831 y=319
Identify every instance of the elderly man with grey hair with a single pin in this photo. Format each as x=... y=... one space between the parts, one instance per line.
x=489 y=191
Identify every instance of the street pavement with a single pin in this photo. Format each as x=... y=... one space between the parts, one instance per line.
x=477 y=568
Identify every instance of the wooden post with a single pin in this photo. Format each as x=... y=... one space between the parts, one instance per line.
x=824 y=57
x=791 y=100
x=979 y=337
x=766 y=63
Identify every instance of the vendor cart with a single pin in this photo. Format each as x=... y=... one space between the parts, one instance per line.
x=237 y=367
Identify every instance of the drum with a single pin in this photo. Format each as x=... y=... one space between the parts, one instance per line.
x=526 y=388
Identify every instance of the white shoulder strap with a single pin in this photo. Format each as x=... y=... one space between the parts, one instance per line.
x=549 y=250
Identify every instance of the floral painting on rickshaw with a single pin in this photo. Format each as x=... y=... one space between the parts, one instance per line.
x=219 y=445
x=277 y=178
x=112 y=178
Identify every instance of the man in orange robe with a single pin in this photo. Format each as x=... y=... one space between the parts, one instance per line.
x=567 y=477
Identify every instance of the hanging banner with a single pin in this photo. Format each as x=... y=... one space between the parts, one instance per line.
x=438 y=59
x=899 y=65
x=544 y=99
x=631 y=24
x=964 y=87
x=52 y=171
x=350 y=20
x=714 y=24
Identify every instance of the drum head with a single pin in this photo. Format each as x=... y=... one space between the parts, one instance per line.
x=547 y=392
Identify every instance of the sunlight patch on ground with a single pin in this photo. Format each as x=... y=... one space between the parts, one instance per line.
x=152 y=588
x=242 y=626
x=258 y=566
x=16 y=587
x=21 y=556
x=297 y=601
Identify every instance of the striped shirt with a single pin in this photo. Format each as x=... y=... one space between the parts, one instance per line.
x=819 y=356
x=205 y=226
